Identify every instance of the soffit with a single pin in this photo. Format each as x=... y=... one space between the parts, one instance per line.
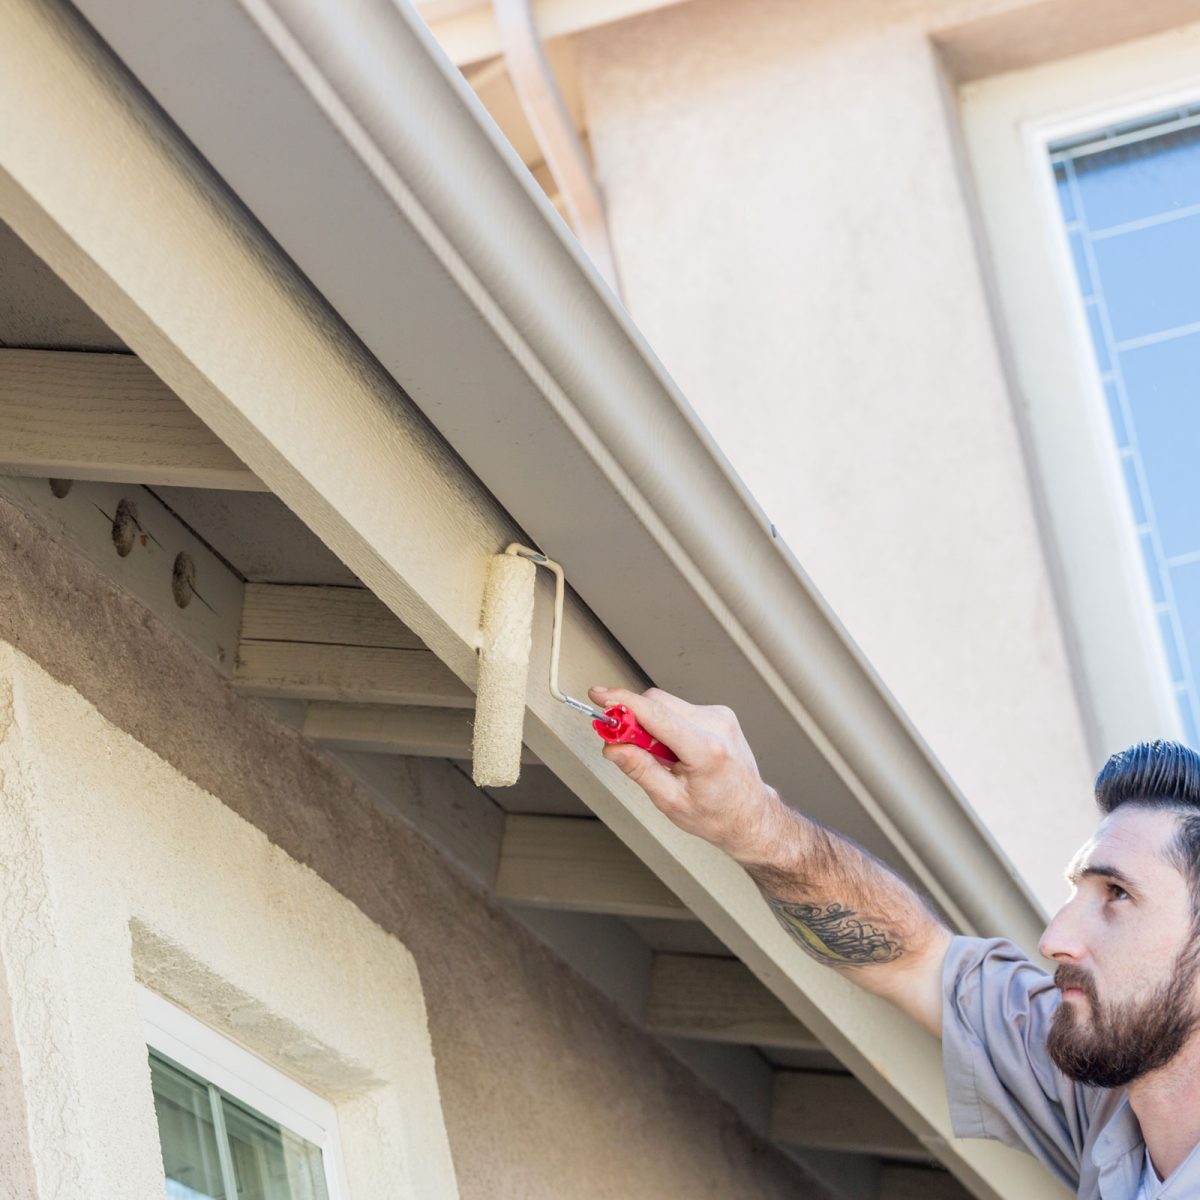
x=978 y=40
x=258 y=535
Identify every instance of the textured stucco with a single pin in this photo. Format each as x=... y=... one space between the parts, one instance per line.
x=547 y=1093
x=17 y=1180
x=794 y=238
x=116 y=868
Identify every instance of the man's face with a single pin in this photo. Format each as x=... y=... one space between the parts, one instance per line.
x=1127 y=962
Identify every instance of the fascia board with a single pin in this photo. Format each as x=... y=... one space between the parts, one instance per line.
x=365 y=156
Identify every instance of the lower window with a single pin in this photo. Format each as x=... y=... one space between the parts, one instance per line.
x=230 y=1126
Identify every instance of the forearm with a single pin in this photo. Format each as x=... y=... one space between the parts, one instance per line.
x=848 y=911
x=845 y=908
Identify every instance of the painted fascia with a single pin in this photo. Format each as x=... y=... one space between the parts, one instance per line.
x=107 y=192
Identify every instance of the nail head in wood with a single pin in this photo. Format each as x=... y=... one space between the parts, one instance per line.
x=183 y=579
x=124 y=527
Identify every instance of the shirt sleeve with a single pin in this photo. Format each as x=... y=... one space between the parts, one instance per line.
x=1000 y=1081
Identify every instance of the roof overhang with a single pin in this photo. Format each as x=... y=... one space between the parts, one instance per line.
x=361 y=151
x=357 y=148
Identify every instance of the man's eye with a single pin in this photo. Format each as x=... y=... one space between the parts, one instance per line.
x=1117 y=892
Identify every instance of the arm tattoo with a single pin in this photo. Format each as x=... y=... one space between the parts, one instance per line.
x=836 y=936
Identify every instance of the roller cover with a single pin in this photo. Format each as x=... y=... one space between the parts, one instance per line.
x=506 y=637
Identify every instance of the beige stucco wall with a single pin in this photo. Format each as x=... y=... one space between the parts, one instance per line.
x=116 y=870
x=546 y=1092
x=793 y=236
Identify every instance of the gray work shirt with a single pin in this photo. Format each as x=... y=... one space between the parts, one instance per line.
x=996 y=1012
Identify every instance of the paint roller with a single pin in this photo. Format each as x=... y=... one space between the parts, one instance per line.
x=505 y=643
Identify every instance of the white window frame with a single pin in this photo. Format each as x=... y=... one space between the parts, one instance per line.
x=246 y=1078
x=1009 y=123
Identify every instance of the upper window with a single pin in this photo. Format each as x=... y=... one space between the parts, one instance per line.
x=230 y=1126
x=1130 y=198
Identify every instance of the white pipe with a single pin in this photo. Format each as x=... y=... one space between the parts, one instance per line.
x=546 y=111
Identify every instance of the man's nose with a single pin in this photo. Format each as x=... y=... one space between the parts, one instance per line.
x=1063 y=940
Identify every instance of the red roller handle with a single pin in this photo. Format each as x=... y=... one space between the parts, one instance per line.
x=628 y=731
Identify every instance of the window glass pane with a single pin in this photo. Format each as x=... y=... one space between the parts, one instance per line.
x=263 y=1161
x=1171 y=643
x=1165 y=381
x=1149 y=277
x=191 y=1161
x=1140 y=179
x=1132 y=216
x=1083 y=272
x=1185 y=584
x=1154 y=573
x=1099 y=337
x=1137 y=497
x=270 y=1163
x=1063 y=186
x=1190 y=723
x=1112 y=397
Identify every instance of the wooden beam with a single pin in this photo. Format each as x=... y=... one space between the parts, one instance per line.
x=441 y=802
x=127 y=533
x=578 y=864
x=835 y=1112
x=719 y=1000
x=471 y=36
x=338 y=643
x=384 y=729
x=344 y=616
x=106 y=417
x=309 y=671
x=919 y=1183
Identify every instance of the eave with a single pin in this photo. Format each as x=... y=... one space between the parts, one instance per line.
x=587 y=443
x=365 y=159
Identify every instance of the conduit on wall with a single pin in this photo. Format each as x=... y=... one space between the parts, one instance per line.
x=544 y=108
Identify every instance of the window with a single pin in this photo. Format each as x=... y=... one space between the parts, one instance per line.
x=230 y=1126
x=1129 y=196
x=1098 y=130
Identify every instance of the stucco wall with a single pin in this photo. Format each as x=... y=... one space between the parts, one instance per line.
x=116 y=870
x=547 y=1093
x=793 y=236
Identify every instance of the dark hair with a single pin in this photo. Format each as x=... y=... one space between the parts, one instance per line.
x=1162 y=775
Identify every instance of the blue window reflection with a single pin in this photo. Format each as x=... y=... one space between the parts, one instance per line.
x=1130 y=200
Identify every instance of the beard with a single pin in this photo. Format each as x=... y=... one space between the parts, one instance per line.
x=1124 y=1041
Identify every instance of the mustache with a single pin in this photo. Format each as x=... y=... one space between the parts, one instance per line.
x=1067 y=976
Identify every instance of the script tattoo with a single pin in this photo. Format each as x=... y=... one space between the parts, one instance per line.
x=837 y=936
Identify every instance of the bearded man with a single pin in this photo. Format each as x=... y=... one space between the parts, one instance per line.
x=1095 y=1070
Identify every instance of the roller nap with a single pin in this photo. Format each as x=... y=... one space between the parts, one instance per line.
x=506 y=639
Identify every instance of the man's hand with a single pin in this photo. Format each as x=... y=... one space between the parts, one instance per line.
x=842 y=906
x=715 y=790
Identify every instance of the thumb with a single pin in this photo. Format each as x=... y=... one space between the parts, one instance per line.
x=648 y=772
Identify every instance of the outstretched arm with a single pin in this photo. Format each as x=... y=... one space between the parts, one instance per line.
x=844 y=907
